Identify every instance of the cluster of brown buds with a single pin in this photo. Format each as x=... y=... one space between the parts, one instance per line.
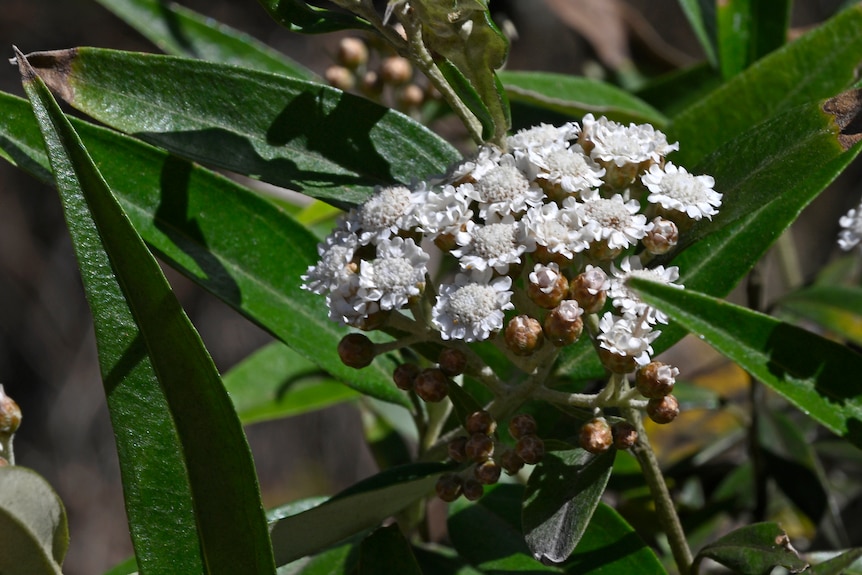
x=486 y=459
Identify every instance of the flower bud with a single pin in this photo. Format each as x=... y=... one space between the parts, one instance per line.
x=524 y=335
x=431 y=385
x=511 y=462
x=404 y=375
x=615 y=362
x=457 y=449
x=356 y=350
x=663 y=410
x=448 y=487
x=340 y=77
x=479 y=447
x=452 y=361
x=396 y=70
x=411 y=97
x=10 y=414
x=595 y=435
x=352 y=53
x=531 y=449
x=547 y=286
x=625 y=435
x=480 y=422
x=488 y=472
x=521 y=425
x=589 y=289
x=564 y=325
x=472 y=490
x=371 y=85
x=662 y=238
x=656 y=379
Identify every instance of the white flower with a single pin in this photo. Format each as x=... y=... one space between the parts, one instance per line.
x=472 y=308
x=627 y=300
x=557 y=230
x=595 y=280
x=613 y=143
x=612 y=221
x=347 y=306
x=545 y=277
x=570 y=169
x=334 y=267
x=627 y=336
x=382 y=215
x=493 y=246
x=851 y=234
x=395 y=275
x=504 y=190
x=543 y=137
x=675 y=189
x=474 y=168
x=441 y=211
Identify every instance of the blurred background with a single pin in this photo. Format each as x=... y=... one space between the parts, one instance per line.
x=47 y=353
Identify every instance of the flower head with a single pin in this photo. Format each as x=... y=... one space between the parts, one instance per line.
x=472 y=308
x=851 y=229
x=382 y=215
x=673 y=188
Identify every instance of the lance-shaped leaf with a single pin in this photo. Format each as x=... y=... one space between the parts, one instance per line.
x=387 y=551
x=837 y=308
x=701 y=17
x=227 y=239
x=299 y=16
x=812 y=372
x=575 y=96
x=206 y=515
x=284 y=131
x=562 y=494
x=819 y=65
x=179 y=31
x=754 y=550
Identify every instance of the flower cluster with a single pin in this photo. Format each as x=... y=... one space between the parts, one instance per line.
x=555 y=223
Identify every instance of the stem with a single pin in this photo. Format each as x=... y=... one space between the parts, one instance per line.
x=667 y=515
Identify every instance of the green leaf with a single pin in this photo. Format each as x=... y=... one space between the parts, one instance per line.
x=749 y=30
x=299 y=16
x=846 y=563
x=574 y=97
x=387 y=551
x=562 y=494
x=701 y=17
x=339 y=560
x=147 y=342
x=360 y=507
x=837 y=308
x=277 y=382
x=284 y=131
x=439 y=560
x=818 y=65
x=676 y=90
x=753 y=550
x=33 y=527
x=127 y=567
x=227 y=239
x=809 y=371
x=488 y=532
x=182 y=32
x=469 y=96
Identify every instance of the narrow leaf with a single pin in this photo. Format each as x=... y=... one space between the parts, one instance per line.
x=701 y=17
x=836 y=308
x=387 y=551
x=284 y=131
x=733 y=19
x=225 y=238
x=179 y=31
x=562 y=494
x=809 y=371
x=124 y=282
x=574 y=96
x=754 y=550
x=299 y=16
x=846 y=563
x=31 y=504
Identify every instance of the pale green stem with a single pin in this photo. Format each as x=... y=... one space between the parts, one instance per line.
x=588 y=400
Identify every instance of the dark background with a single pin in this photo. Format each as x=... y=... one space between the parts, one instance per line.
x=47 y=351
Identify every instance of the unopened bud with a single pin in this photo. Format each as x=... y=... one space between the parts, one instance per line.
x=625 y=435
x=452 y=361
x=448 y=487
x=595 y=435
x=656 y=379
x=396 y=70
x=352 y=53
x=521 y=425
x=564 y=325
x=547 y=286
x=615 y=362
x=589 y=289
x=531 y=449
x=479 y=447
x=404 y=375
x=524 y=335
x=411 y=97
x=472 y=490
x=488 y=472
x=457 y=451
x=663 y=410
x=480 y=422
x=10 y=414
x=431 y=385
x=371 y=84
x=662 y=238
x=356 y=350
x=511 y=462
x=340 y=77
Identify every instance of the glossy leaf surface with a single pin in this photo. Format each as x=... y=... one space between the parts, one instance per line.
x=147 y=342
x=299 y=16
x=284 y=131
x=754 y=550
x=808 y=370
x=218 y=233
x=182 y=32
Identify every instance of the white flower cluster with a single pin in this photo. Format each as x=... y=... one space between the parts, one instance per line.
x=558 y=201
x=851 y=229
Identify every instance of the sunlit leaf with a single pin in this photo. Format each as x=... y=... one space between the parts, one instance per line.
x=754 y=550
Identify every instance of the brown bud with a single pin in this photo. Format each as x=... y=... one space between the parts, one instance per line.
x=511 y=462
x=480 y=422
x=656 y=379
x=479 y=447
x=448 y=487
x=523 y=335
x=625 y=435
x=10 y=414
x=452 y=361
x=547 y=286
x=411 y=97
x=662 y=238
x=431 y=385
x=615 y=362
x=472 y=490
x=352 y=53
x=371 y=84
x=521 y=425
x=457 y=449
x=595 y=435
x=589 y=289
x=340 y=77
x=396 y=70
x=356 y=350
x=563 y=326
x=404 y=375
x=663 y=410
x=487 y=472
x=531 y=449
